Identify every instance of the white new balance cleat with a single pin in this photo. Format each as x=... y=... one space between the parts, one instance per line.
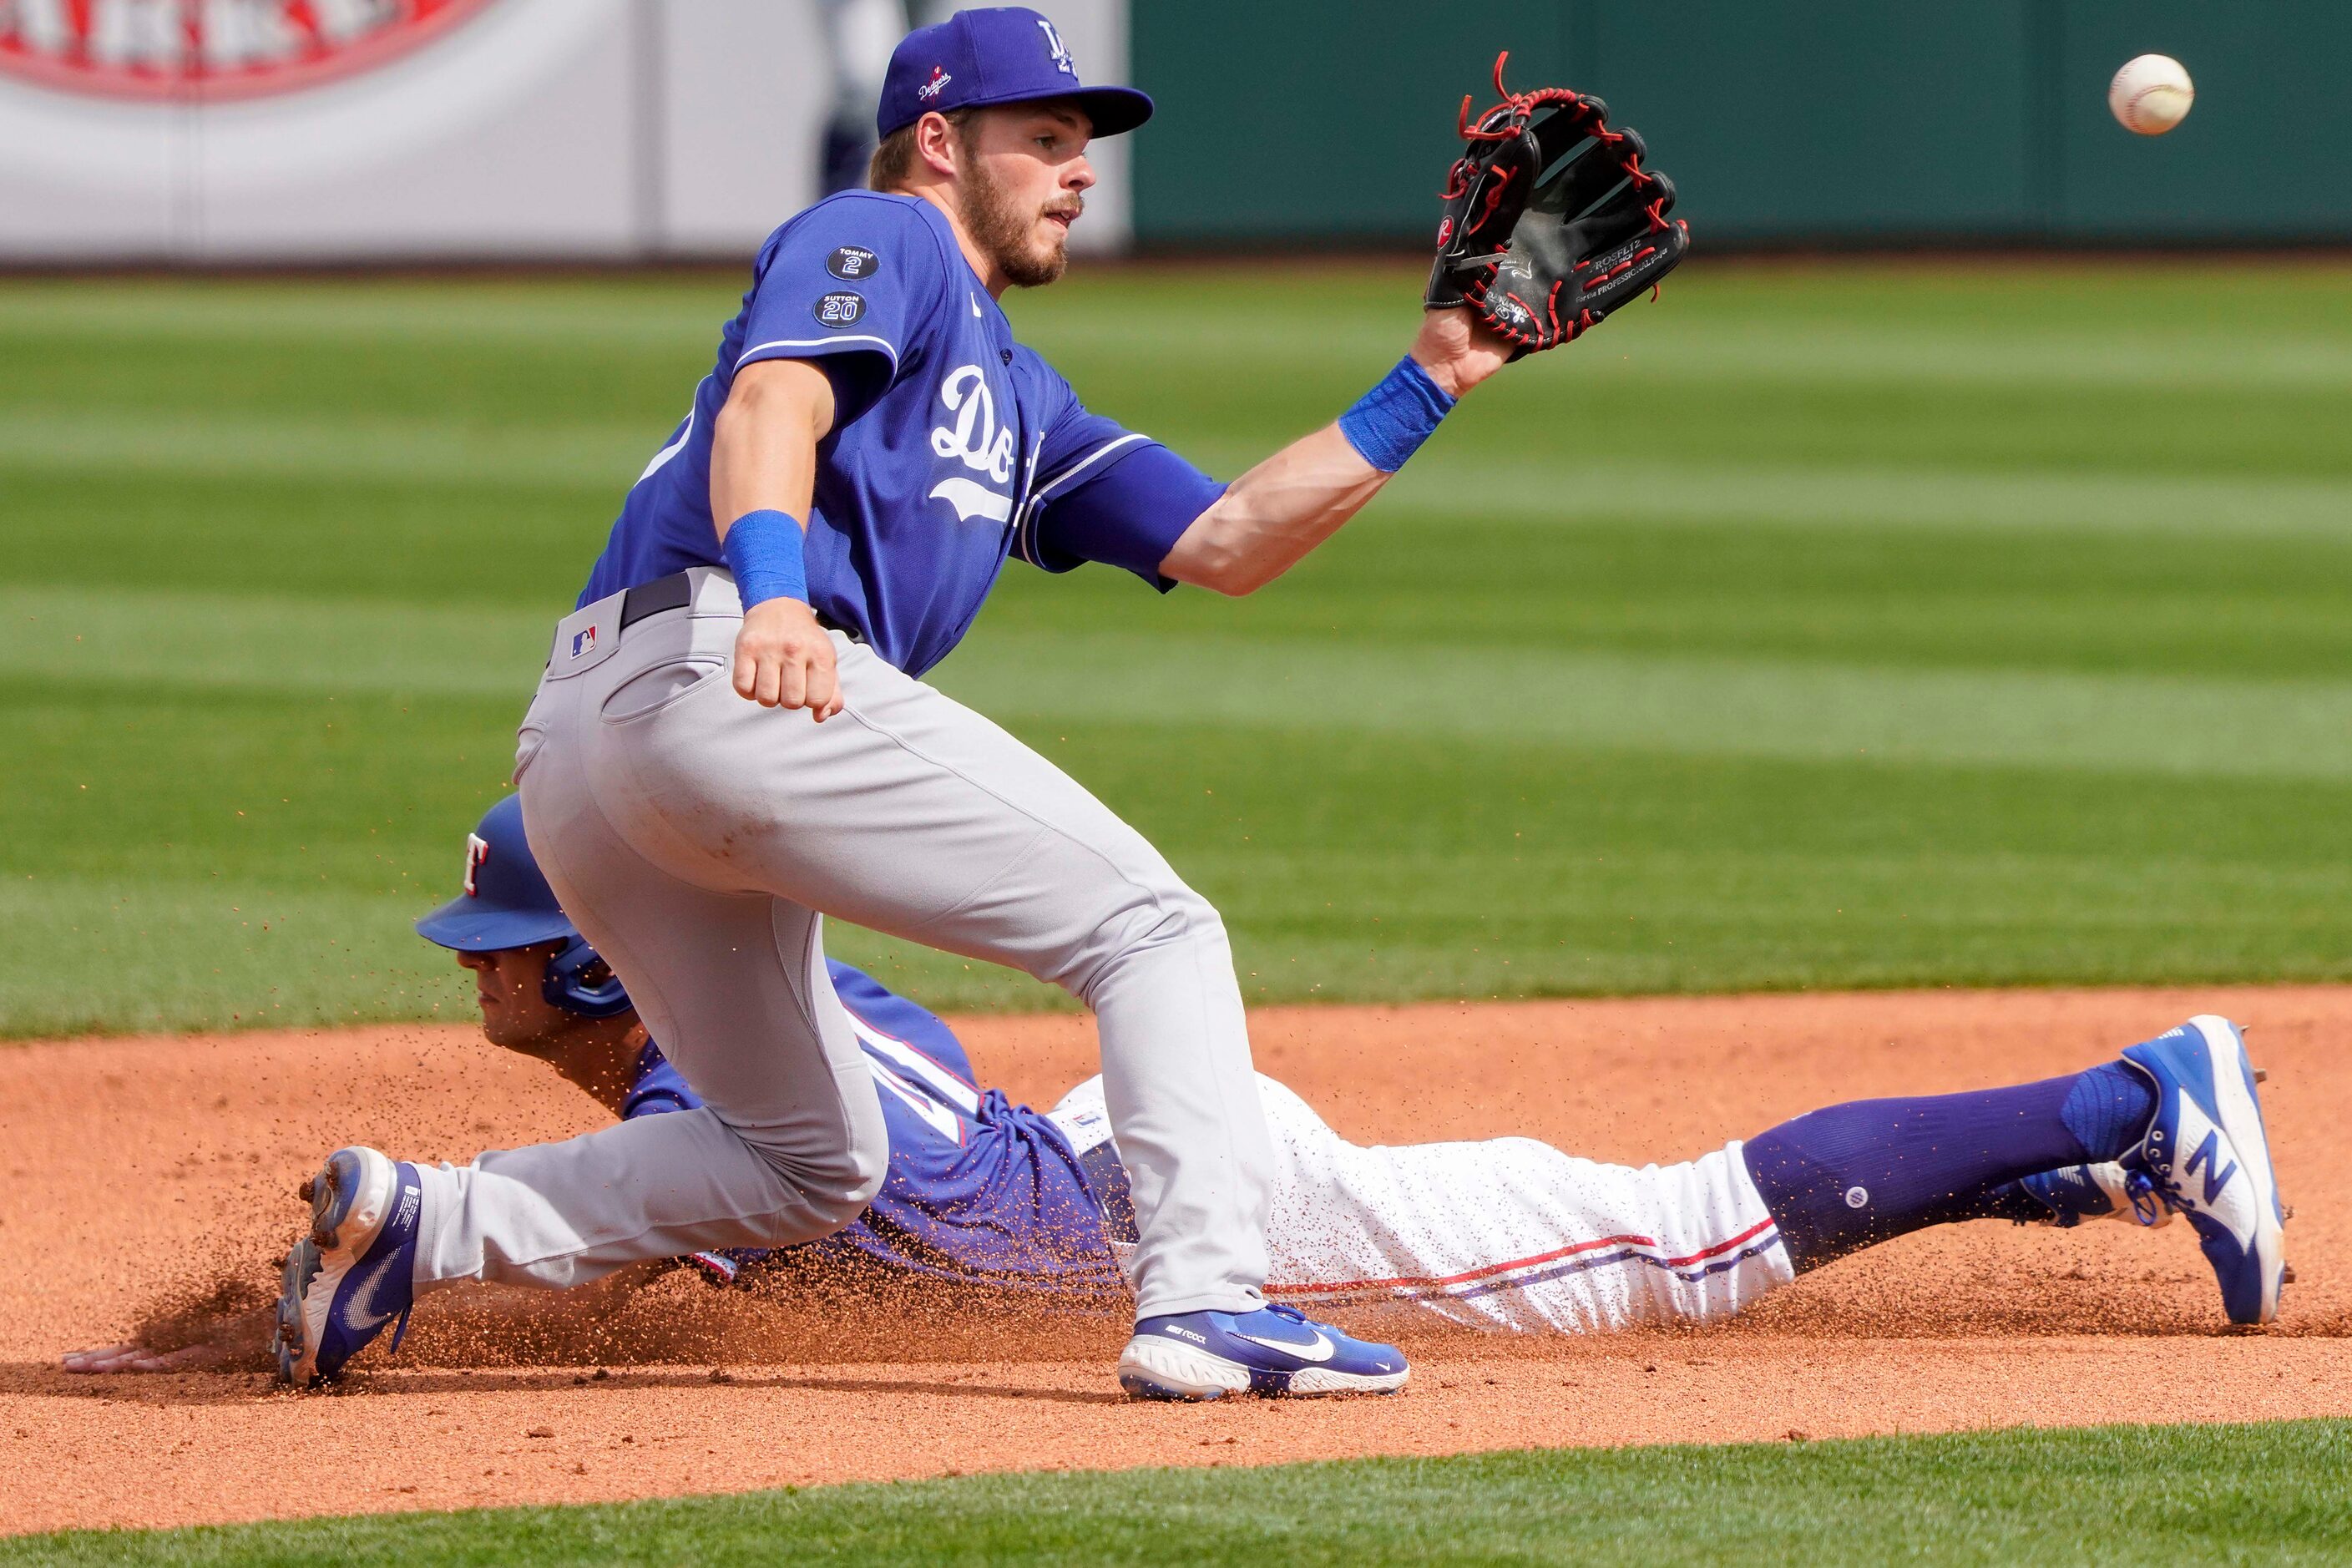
x=2209 y=1154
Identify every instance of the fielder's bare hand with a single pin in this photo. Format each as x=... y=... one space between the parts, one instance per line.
x=1458 y=350
x=131 y=1356
x=784 y=659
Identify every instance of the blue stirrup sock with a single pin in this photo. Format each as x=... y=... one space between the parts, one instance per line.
x=1853 y=1175
x=1389 y=423
x=767 y=551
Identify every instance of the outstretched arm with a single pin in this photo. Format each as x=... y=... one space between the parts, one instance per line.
x=1272 y=515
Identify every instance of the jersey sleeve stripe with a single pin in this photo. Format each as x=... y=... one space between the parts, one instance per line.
x=1025 y=530
x=676 y=443
x=1056 y=482
x=1024 y=533
x=757 y=350
x=940 y=1117
x=912 y=1061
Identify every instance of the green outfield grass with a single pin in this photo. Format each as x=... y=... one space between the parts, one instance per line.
x=1853 y=625
x=2266 y=1494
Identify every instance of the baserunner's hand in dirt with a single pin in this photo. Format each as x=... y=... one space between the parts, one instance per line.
x=133 y=1356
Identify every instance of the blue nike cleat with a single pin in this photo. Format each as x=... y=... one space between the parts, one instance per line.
x=351 y=1276
x=2210 y=1157
x=1273 y=1351
x=2104 y=1191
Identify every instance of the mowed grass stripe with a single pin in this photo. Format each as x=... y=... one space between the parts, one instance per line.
x=2155 y=327
x=268 y=643
x=163 y=952
x=400 y=450
x=621 y=313
x=1706 y=707
x=1566 y=490
x=2266 y=1493
x=1574 y=492
x=1692 y=341
x=1691 y=707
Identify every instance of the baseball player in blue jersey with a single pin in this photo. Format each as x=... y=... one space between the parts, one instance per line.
x=733 y=739
x=1508 y=1233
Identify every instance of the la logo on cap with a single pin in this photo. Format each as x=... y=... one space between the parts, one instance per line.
x=1058 y=49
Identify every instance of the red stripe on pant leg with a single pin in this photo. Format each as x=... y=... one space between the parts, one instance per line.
x=1429 y=1281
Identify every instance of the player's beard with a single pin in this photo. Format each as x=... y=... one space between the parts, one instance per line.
x=1006 y=234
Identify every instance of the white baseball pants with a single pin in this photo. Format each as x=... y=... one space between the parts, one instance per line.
x=1508 y=1233
x=694 y=838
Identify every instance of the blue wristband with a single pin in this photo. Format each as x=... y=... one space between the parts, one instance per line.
x=1389 y=423
x=765 y=550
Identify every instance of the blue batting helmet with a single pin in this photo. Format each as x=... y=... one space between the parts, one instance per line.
x=507 y=903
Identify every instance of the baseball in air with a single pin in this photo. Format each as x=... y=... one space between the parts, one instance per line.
x=2151 y=94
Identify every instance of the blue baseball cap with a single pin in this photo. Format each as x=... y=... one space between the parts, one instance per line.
x=1007 y=53
x=507 y=902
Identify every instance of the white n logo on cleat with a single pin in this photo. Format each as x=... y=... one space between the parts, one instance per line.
x=2205 y=1154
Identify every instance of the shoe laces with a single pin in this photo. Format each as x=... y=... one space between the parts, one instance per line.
x=400 y=1329
x=2148 y=1201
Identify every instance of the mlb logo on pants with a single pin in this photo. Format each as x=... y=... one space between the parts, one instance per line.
x=584 y=641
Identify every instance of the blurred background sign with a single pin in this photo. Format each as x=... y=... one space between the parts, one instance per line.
x=174 y=48
x=246 y=131
x=327 y=130
x=1784 y=121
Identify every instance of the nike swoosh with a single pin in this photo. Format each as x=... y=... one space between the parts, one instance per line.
x=972 y=501
x=360 y=1316
x=1321 y=1350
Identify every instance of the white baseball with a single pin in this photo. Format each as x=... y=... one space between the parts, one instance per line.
x=2151 y=94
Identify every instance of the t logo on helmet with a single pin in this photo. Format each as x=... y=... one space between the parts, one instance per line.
x=478 y=850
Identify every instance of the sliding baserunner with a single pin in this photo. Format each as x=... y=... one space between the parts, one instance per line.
x=1508 y=1233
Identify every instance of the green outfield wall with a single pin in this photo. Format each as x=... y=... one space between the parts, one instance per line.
x=1840 y=121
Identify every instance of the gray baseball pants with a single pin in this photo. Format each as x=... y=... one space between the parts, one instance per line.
x=697 y=840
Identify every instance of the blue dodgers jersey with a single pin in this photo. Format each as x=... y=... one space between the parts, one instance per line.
x=979 y=1190
x=943 y=428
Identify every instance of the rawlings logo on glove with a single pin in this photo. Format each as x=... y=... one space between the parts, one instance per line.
x=1551 y=220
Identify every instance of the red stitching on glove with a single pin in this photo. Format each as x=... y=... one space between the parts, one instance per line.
x=1494 y=198
x=1508 y=118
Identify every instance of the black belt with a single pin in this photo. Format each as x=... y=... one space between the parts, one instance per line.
x=674 y=593
x=670 y=593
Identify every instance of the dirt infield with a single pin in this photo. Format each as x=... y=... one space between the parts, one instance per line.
x=150 y=1184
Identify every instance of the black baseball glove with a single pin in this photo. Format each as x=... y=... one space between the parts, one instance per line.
x=1551 y=220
